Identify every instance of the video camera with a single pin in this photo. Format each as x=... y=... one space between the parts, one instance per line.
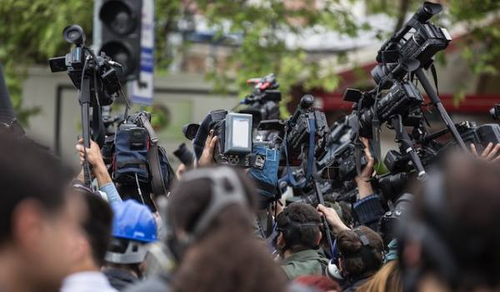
x=235 y=144
x=417 y=40
x=401 y=99
x=97 y=83
x=338 y=163
x=432 y=148
x=82 y=62
x=306 y=129
x=263 y=102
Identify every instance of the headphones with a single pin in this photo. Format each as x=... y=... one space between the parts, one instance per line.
x=226 y=190
x=429 y=236
x=366 y=252
x=292 y=229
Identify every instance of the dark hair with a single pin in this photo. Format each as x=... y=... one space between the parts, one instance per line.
x=298 y=237
x=97 y=225
x=460 y=213
x=355 y=261
x=236 y=260
x=27 y=171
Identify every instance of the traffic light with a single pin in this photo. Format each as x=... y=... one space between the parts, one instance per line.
x=121 y=34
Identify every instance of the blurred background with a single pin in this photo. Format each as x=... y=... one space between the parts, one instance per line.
x=203 y=51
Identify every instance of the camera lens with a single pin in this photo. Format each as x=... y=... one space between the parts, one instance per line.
x=74 y=34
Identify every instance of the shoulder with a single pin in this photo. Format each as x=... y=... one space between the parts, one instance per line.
x=304 y=263
x=157 y=283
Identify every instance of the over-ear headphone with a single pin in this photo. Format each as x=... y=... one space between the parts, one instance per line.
x=366 y=252
x=292 y=229
x=226 y=190
x=429 y=236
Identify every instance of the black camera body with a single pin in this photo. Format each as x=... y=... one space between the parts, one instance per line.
x=235 y=144
x=339 y=160
x=418 y=40
x=400 y=99
x=263 y=102
x=480 y=136
x=425 y=43
x=299 y=127
x=106 y=84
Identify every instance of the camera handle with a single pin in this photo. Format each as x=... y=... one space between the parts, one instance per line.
x=435 y=100
x=321 y=200
x=84 y=98
x=406 y=146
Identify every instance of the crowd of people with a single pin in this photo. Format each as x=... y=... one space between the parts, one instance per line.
x=59 y=235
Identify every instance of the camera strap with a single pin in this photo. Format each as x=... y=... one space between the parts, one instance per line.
x=434 y=76
x=98 y=134
x=310 y=156
x=153 y=157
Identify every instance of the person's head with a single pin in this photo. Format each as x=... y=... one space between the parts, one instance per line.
x=319 y=283
x=96 y=227
x=210 y=222
x=299 y=228
x=360 y=252
x=134 y=229
x=451 y=240
x=388 y=278
x=188 y=207
x=39 y=220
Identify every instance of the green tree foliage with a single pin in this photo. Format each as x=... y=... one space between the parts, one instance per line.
x=30 y=33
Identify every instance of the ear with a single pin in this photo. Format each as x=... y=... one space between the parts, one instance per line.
x=341 y=265
x=27 y=224
x=281 y=239
x=82 y=248
x=320 y=236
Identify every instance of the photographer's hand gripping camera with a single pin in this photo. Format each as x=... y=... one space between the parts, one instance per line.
x=96 y=80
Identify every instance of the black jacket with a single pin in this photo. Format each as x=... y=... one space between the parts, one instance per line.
x=120 y=279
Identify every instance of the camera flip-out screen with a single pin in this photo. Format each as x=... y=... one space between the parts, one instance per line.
x=238 y=133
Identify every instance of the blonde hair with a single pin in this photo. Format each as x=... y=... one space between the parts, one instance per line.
x=388 y=278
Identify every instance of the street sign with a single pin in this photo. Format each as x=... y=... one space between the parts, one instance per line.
x=143 y=88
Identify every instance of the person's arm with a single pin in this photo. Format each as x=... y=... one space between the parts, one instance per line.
x=111 y=193
x=94 y=157
x=363 y=179
x=333 y=218
x=368 y=209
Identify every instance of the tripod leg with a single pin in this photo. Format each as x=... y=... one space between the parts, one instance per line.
x=439 y=105
x=406 y=146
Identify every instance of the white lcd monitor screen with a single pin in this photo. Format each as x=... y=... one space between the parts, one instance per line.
x=241 y=134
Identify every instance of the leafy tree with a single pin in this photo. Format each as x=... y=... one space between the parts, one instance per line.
x=30 y=33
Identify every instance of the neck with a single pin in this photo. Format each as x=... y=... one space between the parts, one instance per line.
x=13 y=276
x=87 y=264
x=287 y=254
